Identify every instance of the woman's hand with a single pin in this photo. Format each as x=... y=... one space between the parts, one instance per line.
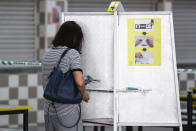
x=138 y=55
x=149 y=41
x=79 y=80
x=85 y=97
x=137 y=42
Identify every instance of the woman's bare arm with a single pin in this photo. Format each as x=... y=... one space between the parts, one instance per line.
x=80 y=83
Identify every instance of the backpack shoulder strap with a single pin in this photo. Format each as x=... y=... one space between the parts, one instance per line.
x=63 y=54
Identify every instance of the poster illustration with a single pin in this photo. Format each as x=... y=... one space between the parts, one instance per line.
x=144 y=42
x=56 y=11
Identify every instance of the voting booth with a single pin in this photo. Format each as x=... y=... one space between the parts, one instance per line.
x=131 y=58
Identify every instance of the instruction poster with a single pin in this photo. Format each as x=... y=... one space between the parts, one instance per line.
x=144 y=42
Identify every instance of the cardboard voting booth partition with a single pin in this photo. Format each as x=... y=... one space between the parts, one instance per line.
x=130 y=59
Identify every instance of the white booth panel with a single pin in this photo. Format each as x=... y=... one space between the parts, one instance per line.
x=160 y=104
x=97 y=62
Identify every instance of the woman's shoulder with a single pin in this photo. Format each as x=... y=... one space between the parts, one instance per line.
x=46 y=54
x=74 y=52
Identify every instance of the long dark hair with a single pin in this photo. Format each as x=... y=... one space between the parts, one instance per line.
x=70 y=35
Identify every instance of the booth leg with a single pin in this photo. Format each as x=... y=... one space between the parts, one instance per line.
x=176 y=129
x=102 y=128
x=129 y=128
x=95 y=128
x=140 y=128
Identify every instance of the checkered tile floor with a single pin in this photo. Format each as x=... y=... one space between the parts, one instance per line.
x=26 y=89
x=22 y=89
